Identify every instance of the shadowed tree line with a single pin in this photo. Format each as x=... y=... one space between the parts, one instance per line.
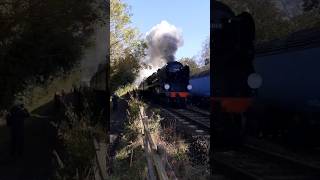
x=201 y=62
x=42 y=38
x=274 y=22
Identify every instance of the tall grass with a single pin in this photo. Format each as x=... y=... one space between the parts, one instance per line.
x=129 y=161
x=76 y=133
x=181 y=154
x=125 y=89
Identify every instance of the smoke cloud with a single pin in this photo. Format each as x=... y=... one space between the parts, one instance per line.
x=163 y=41
x=94 y=55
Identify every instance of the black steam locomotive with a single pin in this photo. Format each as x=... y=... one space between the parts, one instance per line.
x=170 y=84
x=286 y=105
x=232 y=64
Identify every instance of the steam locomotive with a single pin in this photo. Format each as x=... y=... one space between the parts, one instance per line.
x=170 y=84
x=231 y=68
x=283 y=99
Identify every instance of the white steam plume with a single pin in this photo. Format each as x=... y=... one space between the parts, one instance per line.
x=163 y=41
x=94 y=55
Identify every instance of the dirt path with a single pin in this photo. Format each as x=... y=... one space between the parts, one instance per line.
x=36 y=161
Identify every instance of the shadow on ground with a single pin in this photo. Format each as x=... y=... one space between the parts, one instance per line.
x=36 y=160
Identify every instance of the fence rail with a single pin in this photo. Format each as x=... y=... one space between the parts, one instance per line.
x=158 y=166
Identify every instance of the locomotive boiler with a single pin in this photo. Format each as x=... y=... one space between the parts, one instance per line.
x=169 y=84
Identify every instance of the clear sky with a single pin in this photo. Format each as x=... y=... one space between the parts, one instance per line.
x=192 y=16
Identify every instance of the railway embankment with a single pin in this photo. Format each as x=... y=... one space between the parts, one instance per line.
x=80 y=138
x=150 y=142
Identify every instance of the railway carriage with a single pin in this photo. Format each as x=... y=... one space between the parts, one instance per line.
x=200 y=92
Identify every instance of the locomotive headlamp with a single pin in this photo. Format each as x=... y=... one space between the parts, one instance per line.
x=189 y=87
x=254 y=81
x=166 y=86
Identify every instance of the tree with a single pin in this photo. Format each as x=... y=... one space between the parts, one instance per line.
x=205 y=52
x=41 y=38
x=270 y=21
x=311 y=14
x=309 y=5
x=193 y=66
x=126 y=46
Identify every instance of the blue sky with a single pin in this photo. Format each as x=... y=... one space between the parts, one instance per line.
x=192 y=16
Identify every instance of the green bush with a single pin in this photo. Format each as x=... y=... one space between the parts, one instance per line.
x=80 y=150
x=131 y=131
x=134 y=109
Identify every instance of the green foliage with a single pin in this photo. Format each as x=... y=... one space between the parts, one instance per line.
x=138 y=169
x=130 y=143
x=126 y=46
x=205 y=52
x=311 y=14
x=309 y=5
x=154 y=123
x=132 y=127
x=132 y=131
x=134 y=109
x=272 y=22
x=35 y=95
x=125 y=89
x=269 y=20
x=41 y=38
x=191 y=62
x=76 y=135
x=181 y=155
x=124 y=72
x=80 y=150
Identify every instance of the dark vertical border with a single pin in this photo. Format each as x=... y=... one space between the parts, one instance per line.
x=107 y=84
x=211 y=90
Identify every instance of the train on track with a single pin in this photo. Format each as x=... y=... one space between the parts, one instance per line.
x=200 y=93
x=270 y=89
x=170 y=84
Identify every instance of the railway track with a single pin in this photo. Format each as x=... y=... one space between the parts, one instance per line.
x=249 y=162
x=308 y=156
x=196 y=121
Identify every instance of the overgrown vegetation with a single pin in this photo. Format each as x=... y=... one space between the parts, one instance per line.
x=125 y=89
x=129 y=156
x=188 y=160
x=76 y=133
